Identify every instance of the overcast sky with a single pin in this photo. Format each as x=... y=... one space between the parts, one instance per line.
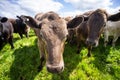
x=11 y=8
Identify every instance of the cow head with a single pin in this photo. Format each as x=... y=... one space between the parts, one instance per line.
x=52 y=33
x=96 y=23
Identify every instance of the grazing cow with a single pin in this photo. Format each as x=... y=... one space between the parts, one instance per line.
x=20 y=27
x=112 y=28
x=51 y=31
x=6 y=32
x=90 y=29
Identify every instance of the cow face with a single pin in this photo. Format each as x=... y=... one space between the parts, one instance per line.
x=96 y=23
x=52 y=35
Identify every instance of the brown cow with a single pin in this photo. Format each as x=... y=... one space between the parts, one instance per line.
x=51 y=31
x=90 y=29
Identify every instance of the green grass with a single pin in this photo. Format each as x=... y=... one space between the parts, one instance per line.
x=21 y=63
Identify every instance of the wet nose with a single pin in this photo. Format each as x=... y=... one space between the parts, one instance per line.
x=90 y=42
x=55 y=69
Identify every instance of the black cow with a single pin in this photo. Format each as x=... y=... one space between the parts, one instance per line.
x=6 y=32
x=20 y=27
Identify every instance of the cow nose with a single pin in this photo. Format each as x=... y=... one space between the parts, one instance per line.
x=55 y=69
x=90 y=42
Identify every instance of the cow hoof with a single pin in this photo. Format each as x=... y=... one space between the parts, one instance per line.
x=88 y=55
x=12 y=47
x=78 y=52
x=39 y=68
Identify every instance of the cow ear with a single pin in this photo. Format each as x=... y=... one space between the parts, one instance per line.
x=39 y=25
x=19 y=18
x=3 y=19
x=75 y=22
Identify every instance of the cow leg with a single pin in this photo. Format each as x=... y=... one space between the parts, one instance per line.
x=27 y=35
x=21 y=36
x=114 y=40
x=105 y=39
x=78 y=47
x=42 y=55
x=11 y=42
x=89 y=51
x=42 y=59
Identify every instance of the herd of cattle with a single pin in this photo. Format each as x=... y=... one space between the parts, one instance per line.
x=9 y=26
x=53 y=30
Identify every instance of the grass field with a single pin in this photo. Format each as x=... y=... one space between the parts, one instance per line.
x=21 y=63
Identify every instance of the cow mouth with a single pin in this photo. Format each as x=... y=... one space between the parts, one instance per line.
x=93 y=43
x=55 y=68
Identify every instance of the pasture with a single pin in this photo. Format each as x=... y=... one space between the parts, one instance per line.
x=21 y=63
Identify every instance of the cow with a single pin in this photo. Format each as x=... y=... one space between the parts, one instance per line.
x=112 y=28
x=20 y=27
x=52 y=32
x=114 y=17
x=72 y=31
x=6 y=32
x=90 y=29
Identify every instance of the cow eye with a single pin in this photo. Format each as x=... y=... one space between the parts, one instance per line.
x=41 y=35
x=104 y=24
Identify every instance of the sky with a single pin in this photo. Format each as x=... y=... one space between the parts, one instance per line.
x=11 y=8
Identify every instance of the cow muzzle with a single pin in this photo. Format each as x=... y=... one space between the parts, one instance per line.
x=55 y=68
x=93 y=43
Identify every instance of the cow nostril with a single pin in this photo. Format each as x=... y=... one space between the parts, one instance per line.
x=60 y=69
x=55 y=69
x=92 y=43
